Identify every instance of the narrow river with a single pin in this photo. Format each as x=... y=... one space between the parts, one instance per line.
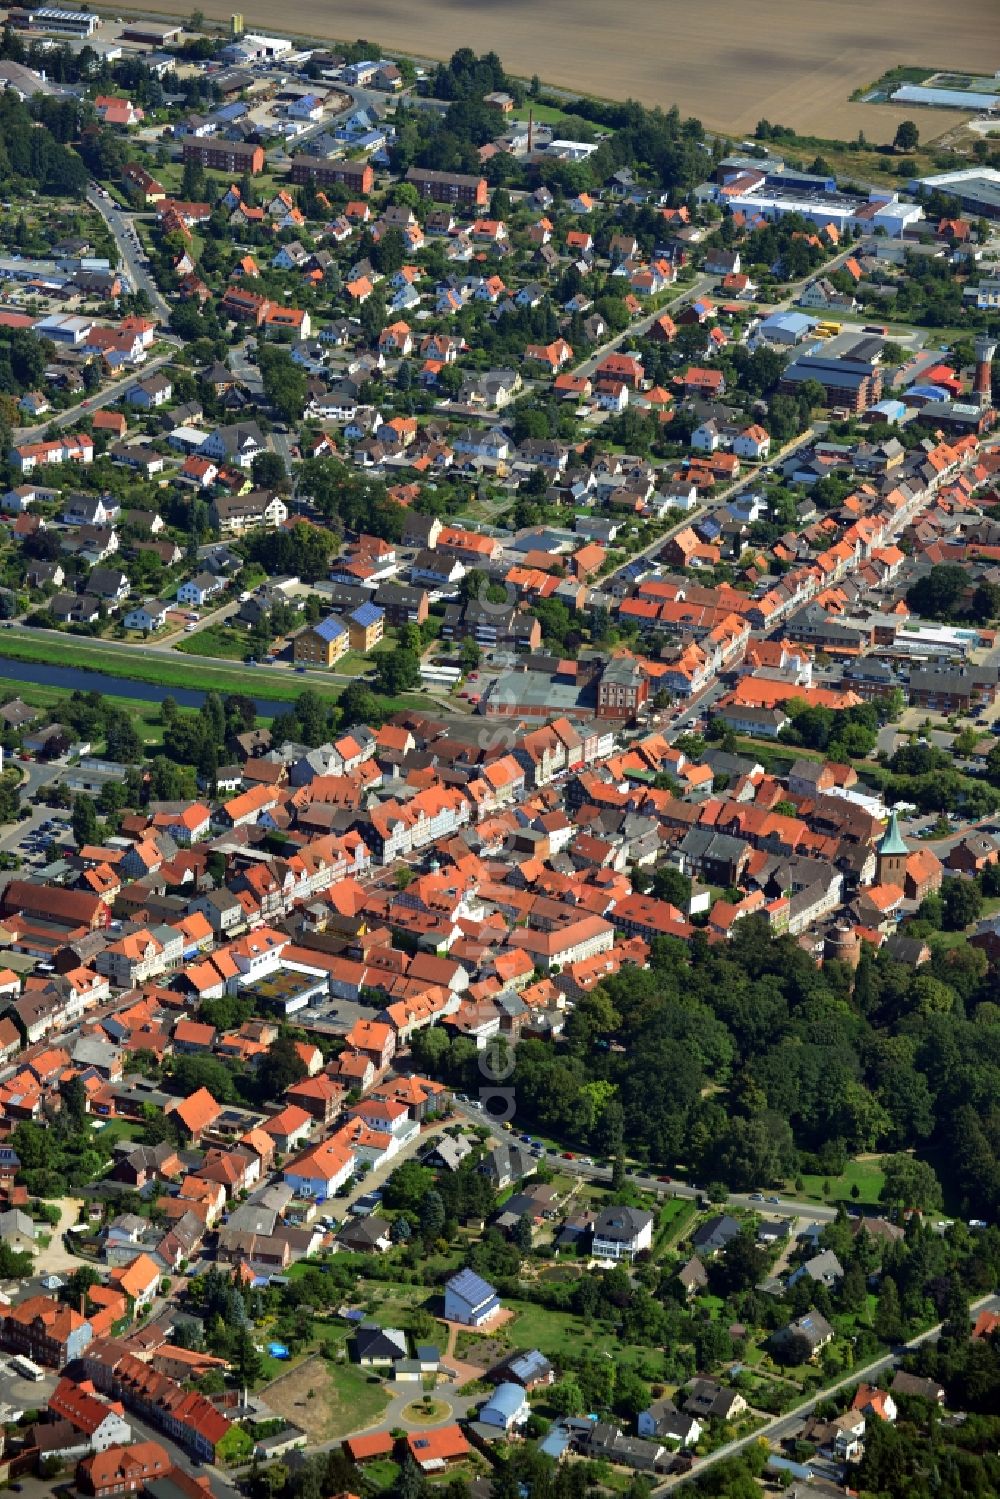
x=81 y=679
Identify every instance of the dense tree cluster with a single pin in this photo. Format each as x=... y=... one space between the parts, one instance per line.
x=842 y=734
x=655 y=142
x=747 y=1063
x=31 y=156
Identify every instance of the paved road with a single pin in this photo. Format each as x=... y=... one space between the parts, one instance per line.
x=106 y=397
x=281 y=443
x=36 y=773
x=118 y=223
x=13 y=837
x=782 y=1207
x=222 y=1486
x=689 y=293
x=244 y=371
x=701 y=285
x=121 y=653
x=213 y=617
x=717 y=501
x=785 y=1426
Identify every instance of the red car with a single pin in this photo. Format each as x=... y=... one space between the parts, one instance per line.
x=568 y=1155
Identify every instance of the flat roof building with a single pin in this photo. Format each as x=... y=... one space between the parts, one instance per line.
x=976 y=188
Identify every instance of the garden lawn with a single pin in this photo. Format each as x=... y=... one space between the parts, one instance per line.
x=557 y=1333
x=391 y=1301
x=216 y=640
x=382 y=1474
x=118 y=1129
x=865 y=1174
x=673 y=1220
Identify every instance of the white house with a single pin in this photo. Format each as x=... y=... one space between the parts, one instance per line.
x=152 y=615
x=198 y=590
x=507 y=1408
x=238 y=443
x=753 y=442
x=620 y=1233
x=663 y=1422
x=147 y=394
x=469 y=1299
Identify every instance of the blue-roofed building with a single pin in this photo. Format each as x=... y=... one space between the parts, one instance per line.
x=366 y=626
x=556 y=1441
x=321 y=644
x=889 y=410
x=229 y=113
x=529 y=1368
x=928 y=393
x=506 y=1409
x=786 y=327
x=469 y=1299
x=565 y=1432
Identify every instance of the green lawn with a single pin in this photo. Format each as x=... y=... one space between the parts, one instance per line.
x=392 y=1302
x=217 y=640
x=382 y=1474
x=327 y=1400
x=161 y=671
x=544 y=114
x=117 y=1130
x=866 y=1175
x=185 y=671
x=558 y=1333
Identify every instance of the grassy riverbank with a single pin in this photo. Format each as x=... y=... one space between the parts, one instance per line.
x=190 y=673
x=143 y=711
x=160 y=671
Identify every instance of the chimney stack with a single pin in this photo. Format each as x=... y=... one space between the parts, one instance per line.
x=982 y=384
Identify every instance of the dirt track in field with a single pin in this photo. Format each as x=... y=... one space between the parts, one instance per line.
x=794 y=62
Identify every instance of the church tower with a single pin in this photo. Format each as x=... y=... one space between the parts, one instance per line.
x=892 y=855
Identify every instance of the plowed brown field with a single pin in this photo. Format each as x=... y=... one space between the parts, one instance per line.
x=794 y=62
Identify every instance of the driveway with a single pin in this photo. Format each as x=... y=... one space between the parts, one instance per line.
x=57 y=1259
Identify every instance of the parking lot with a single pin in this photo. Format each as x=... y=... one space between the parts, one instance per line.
x=37 y=839
x=20 y=1394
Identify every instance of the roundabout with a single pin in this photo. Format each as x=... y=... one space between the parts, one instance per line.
x=428 y=1411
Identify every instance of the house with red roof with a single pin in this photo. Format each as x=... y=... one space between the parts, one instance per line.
x=195 y=1114
x=122 y=1470
x=435 y=1450
x=871 y=1401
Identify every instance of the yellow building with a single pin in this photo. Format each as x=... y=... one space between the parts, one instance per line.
x=322 y=644
x=367 y=625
